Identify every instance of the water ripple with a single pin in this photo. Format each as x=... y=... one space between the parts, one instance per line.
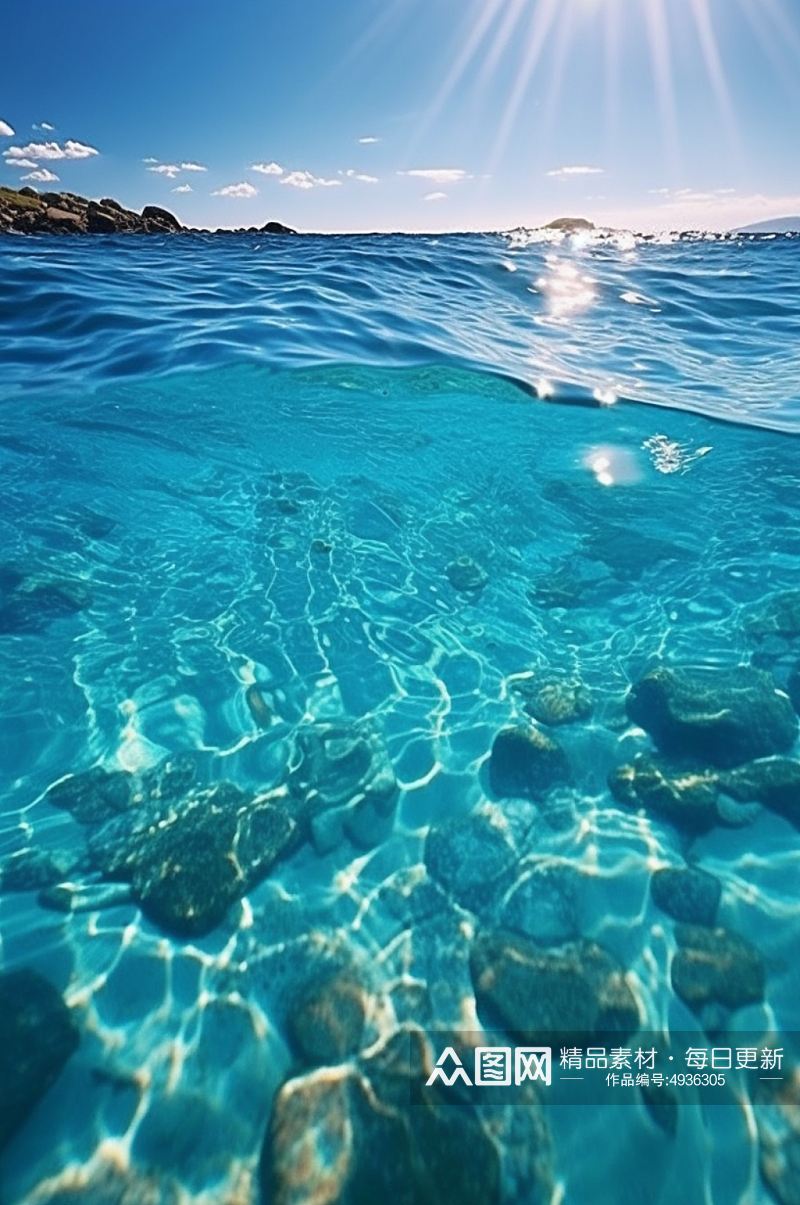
x=707 y=326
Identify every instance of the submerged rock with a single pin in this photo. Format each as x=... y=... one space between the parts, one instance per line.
x=31 y=869
x=629 y=554
x=326 y=1024
x=526 y=763
x=373 y=1132
x=721 y=716
x=85 y=897
x=188 y=862
x=37 y=1037
x=686 y=894
x=776 y=1107
x=470 y=855
x=554 y=701
x=543 y=902
x=259 y=708
x=342 y=783
x=31 y=601
x=716 y=967
x=575 y=990
x=773 y=782
x=688 y=799
x=466 y=576
x=793 y=688
x=93 y=796
x=780 y=616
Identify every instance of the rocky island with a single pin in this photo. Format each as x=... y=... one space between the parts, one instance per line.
x=26 y=211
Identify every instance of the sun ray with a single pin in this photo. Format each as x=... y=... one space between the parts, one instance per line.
x=542 y=20
x=716 y=74
x=505 y=31
x=471 y=47
x=477 y=36
x=612 y=37
x=378 y=29
x=781 y=44
x=658 y=34
x=562 y=39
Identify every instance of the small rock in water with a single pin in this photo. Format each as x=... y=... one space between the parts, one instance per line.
x=686 y=894
x=542 y=904
x=688 y=798
x=721 y=716
x=715 y=966
x=31 y=601
x=776 y=1108
x=90 y=897
x=37 y=1037
x=773 y=782
x=259 y=708
x=630 y=554
x=780 y=616
x=554 y=700
x=576 y=990
x=32 y=869
x=466 y=576
x=343 y=784
x=93 y=796
x=354 y=1135
x=189 y=861
x=793 y=688
x=469 y=856
x=525 y=763
x=327 y=1023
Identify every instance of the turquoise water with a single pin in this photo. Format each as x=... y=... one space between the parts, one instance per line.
x=395 y=485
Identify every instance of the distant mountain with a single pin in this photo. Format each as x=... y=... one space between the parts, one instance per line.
x=773 y=226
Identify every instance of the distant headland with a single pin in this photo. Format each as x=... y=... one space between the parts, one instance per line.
x=26 y=211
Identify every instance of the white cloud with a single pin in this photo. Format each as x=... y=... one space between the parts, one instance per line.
x=236 y=190
x=170 y=170
x=307 y=180
x=21 y=163
x=368 y=140
x=352 y=174
x=50 y=150
x=577 y=169
x=267 y=169
x=435 y=196
x=44 y=176
x=150 y=159
x=193 y=167
x=5 y=130
x=183 y=188
x=43 y=125
x=437 y=175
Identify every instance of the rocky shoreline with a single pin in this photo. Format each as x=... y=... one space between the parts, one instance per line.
x=26 y=211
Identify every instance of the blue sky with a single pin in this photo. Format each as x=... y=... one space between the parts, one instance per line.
x=337 y=115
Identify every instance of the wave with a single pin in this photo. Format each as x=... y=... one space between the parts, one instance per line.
x=707 y=325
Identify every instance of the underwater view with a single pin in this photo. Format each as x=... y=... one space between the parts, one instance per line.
x=399 y=662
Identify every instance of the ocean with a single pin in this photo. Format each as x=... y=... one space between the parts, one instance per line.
x=399 y=654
